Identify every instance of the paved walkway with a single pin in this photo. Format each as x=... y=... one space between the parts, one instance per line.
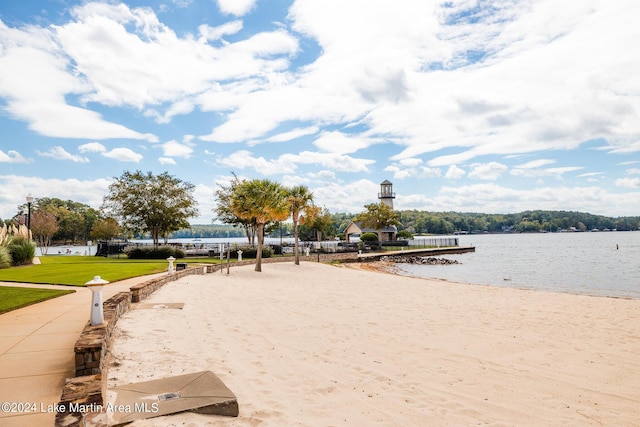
x=36 y=352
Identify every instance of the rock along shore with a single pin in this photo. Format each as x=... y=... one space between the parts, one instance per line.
x=420 y=260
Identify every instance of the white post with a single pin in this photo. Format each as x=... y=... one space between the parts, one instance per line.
x=97 y=312
x=171 y=259
x=239 y=255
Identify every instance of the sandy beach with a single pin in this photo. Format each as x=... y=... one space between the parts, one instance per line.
x=320 y=345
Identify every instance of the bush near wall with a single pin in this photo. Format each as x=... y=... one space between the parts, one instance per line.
x=153 y=252
x=368 y=237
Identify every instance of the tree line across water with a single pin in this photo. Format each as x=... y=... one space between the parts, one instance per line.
x=168 y=203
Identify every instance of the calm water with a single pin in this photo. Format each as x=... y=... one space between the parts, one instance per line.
x=580 y=263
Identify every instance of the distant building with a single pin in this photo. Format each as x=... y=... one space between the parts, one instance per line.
x=386 y=196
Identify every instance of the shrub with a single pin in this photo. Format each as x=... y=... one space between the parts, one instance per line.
x=251 y=252
x=5 y=257
x=153 y=252
x=22 y=250
x=405 y=234
x=369 y=237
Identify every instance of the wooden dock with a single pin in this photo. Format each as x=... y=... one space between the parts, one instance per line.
x=375 y=256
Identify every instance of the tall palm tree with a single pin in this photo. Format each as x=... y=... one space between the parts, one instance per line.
x=300 y=200
x=262 y=201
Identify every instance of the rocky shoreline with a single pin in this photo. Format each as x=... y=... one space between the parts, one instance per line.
x=418 y=260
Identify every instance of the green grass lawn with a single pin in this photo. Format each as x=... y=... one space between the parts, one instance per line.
x=75 y=271
x=13 y=298
x=78 y=270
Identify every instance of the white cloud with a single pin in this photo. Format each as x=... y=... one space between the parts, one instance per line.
x=341 y=143
x=236 y=7
x=293 y=134
x=346 y=197
x=487 y=171
x=12 y=156
x=288 y=163
x=92 y=147
x=534 y=164
x=89 y=192
x=216 y=33
x=59 y=153
x=409 y=168
x=245 y=159
x=166 y=161
x=628 y=182
x=454 y=172
x=123 y=155
x=176 y=149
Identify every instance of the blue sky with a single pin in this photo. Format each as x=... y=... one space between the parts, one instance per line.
x=474 y=105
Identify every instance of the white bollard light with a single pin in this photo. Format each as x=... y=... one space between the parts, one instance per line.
x=239 y=255
x=171 y=259
x=97 y=312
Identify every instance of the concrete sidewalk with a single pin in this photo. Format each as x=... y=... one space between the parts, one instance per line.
x=36 y=351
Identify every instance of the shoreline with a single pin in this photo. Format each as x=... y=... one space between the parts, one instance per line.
x=319 y=345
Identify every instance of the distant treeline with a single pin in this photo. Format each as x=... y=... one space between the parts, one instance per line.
x=423 y=222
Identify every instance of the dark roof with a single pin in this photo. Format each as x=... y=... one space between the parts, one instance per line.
x=392 y=229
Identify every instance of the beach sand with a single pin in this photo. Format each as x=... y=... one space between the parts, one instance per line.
x=320 y=345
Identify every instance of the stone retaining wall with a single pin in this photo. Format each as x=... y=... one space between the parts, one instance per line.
x=91 y=348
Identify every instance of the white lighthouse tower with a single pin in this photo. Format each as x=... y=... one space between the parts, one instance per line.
x=386 y=194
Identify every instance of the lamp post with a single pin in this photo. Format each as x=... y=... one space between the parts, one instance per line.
x=29 y=201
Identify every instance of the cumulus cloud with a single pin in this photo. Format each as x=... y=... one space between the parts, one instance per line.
x=121 y=154
x=92 y=147
x=12 y=156
x=236 y=7
x=166 y=161
x=89 y=192
x=59 y=153
x=216 y=33
x=628 y=182
x=288 y=163
x=176 y=149
x=454 y=172
x=488 y=171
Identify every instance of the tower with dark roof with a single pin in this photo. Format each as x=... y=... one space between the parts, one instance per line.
x=386 y=194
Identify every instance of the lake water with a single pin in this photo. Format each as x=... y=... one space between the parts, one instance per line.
x=602 y=263
x=597 y=263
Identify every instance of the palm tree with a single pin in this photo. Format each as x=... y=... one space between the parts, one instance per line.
x=262 y=201
x=300 y=200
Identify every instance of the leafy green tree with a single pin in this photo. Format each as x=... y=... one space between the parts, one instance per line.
x=105 y=229
x=320 y=225
x=300 y=201
x=378 y=216
x=261 y=201
x=157 y=204
x=225 y=214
